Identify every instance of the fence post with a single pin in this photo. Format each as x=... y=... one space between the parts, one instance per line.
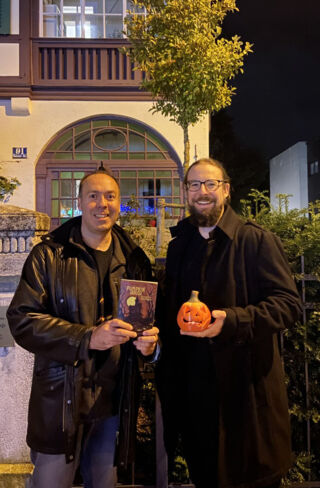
x=161 y=204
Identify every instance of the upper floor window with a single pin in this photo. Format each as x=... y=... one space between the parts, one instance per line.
x=314 y=168
x=91 y=19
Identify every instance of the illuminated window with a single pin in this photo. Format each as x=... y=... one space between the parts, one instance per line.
x=91 y=19
x=314 y=168
x=141 y=161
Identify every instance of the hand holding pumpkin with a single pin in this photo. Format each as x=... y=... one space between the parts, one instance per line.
x=194 y=318
x=214 y=329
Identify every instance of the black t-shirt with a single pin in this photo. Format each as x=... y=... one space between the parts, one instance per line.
x=103 y=261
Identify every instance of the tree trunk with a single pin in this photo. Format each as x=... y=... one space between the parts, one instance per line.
x=186 y=149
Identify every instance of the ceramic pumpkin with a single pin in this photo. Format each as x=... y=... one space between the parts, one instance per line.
x=193 y=315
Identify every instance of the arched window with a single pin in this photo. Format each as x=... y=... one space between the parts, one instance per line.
x=142 y=161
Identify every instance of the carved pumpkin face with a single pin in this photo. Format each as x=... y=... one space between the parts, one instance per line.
x=193 y=315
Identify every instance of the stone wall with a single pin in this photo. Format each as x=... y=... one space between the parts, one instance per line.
x=20 y=229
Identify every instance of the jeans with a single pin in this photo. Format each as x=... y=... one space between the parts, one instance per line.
x=96 y=460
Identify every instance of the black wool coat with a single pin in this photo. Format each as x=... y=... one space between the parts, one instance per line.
x=245 y=273
x=52 y=314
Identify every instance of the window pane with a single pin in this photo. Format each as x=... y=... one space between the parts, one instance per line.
x=55 y=208
x=82 y=127
x=155 y=155
x=114 y=26
x=51 y=25
x=64 y=143
x=93 y=27
x=78 y=174
x=94 y=7
x=101 y=155
x=151 y=147
x=83 y=142
x=176 y=187
x=136 y=142
x=66 y=175
x=146 y=174
x=72 y=6
x=128 y=173
x=110 y=140
x=119 y=155
x=136 y=155
x=118 y=123
x=127 y=187
x=145 y=187
x=99 y=123
x=113 y=6
x=163 y=173
x=159 y=143
x=76 y=184
x=66 y=188
x=163 y=187
x=146 y=206
x=66 y=208
x=54 y=188
x=71 y=25
x=63 y=155
x=82 y=156
x=76 y=210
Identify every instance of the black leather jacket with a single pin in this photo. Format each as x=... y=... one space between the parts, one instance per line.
x=52 y=315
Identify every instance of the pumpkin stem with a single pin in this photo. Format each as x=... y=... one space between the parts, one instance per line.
x=194 y=297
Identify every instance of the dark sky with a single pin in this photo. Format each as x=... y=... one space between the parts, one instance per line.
x=278 y=97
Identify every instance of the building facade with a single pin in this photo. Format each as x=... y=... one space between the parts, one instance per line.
x=296 y=172
x=70 y=98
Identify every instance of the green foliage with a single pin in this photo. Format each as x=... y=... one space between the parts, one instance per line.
x=299 y=231
x=144 y=236
x=189 y=66
x=7 y=187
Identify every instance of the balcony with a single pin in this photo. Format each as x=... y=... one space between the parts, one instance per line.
x=75 y=69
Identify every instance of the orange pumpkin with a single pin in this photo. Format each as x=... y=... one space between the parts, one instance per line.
x=193 y=315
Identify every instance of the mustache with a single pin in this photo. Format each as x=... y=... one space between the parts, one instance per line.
x=204 y=199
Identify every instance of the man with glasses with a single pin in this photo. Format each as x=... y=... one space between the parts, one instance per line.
x=222 y=390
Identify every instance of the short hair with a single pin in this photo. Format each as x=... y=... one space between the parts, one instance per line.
x=100 y=171
x=216 y=164
x=212 y=162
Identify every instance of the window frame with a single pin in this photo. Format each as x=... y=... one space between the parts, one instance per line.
x=82 y=4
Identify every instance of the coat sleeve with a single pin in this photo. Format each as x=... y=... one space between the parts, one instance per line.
x=273 y=300
x=33 y=317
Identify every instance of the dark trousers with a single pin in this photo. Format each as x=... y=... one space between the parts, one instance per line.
x=96 y=461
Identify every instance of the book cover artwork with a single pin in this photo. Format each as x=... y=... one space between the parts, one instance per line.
x=137 y=303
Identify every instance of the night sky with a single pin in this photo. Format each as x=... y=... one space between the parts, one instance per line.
x=278 y=96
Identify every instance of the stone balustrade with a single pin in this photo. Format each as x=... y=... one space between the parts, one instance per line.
x=20 y=229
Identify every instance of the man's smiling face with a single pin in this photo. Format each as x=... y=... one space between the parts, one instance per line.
x=206 y=205
x=100 y=203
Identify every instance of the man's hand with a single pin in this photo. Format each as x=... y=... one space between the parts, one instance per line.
x=111 y=333
x=146 y=343
x=214 y=329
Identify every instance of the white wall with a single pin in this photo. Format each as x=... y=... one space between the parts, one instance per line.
x=289 y=175
x=46 y=118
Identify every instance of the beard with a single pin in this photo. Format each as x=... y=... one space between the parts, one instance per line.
x=207 y=218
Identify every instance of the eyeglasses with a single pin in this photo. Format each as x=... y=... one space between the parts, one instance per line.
x=210 y=185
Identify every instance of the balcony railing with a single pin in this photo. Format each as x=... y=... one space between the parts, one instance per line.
x=75 y=68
